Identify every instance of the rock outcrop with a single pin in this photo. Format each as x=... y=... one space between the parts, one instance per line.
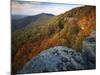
x=60 y=58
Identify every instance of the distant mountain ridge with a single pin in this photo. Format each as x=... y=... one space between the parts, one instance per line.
x=17 y=17
x=21 y=21
x=44 y=14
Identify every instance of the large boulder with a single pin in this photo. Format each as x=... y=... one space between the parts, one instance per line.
x=58 y=58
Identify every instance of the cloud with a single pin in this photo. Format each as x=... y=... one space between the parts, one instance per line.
x=33 y=8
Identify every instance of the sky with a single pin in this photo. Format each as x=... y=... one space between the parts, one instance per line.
x=34 y=8
x=86 y=2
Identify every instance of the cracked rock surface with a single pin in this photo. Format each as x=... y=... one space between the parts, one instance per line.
x=59 y=58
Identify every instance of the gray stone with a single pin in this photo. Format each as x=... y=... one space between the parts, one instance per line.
x=58 y=58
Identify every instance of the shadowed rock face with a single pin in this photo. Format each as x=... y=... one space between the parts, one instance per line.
x=60 y=58
x=90 y=42
x=89 y=49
